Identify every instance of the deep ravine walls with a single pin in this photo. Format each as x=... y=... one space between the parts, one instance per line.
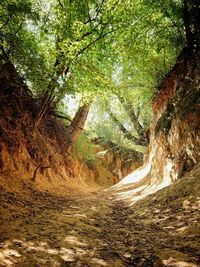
x=39 y=156
x=174 y=147
x=175 y=129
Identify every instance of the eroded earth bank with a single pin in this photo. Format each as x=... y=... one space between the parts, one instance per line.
x=53 y=215
x=54 y=208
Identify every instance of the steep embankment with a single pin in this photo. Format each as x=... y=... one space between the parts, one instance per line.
x=38 y=155
x=174 y=132
x=176 y=124
x=28 y=154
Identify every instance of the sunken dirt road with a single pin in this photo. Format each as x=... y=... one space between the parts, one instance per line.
x=95 y=230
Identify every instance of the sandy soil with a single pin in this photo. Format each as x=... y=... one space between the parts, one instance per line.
x=95 y=230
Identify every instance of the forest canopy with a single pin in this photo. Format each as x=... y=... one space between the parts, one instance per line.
x=110 y=55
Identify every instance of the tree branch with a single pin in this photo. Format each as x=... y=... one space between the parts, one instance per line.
x=7 y=21
x=59 y=2
x=91 y=44
x=127 y=134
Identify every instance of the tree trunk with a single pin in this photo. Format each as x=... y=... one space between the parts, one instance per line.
x=127 y=134
x=76 y=126
x=187 y=24
x=191 y=20
x=49 y=95
x=127 y=105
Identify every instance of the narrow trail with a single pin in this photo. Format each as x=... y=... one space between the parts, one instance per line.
x=95 y=230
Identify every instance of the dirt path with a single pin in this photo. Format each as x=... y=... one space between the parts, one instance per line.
x=95 y=230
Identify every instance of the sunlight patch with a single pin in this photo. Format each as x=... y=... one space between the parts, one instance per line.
x=67 y=258
x=8 y=256
x=186 y=204
x=3 y=260
x=52 y=251
x=80 y=252
x=67 y=254
x=74 y=240
x=182 y=229
x=78 y=215
x=176 y=263
x=36 y=248
x=99 y=261
x=67 y=251
x=138 y=174
x=11 y=253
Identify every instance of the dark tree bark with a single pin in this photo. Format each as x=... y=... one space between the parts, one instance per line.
x=191 y=18
x=187 y=24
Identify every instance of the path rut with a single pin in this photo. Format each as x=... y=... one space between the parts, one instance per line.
x=95 y=230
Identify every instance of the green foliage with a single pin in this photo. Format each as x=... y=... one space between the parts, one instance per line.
x=85 y=150
x=88 y=37
x=20 y=41
x=98 y=49
x=101 y=126
x=89 y=40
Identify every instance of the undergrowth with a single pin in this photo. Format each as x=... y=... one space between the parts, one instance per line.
x=85 y=150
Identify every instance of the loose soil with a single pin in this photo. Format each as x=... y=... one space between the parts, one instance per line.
x=99 y=230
